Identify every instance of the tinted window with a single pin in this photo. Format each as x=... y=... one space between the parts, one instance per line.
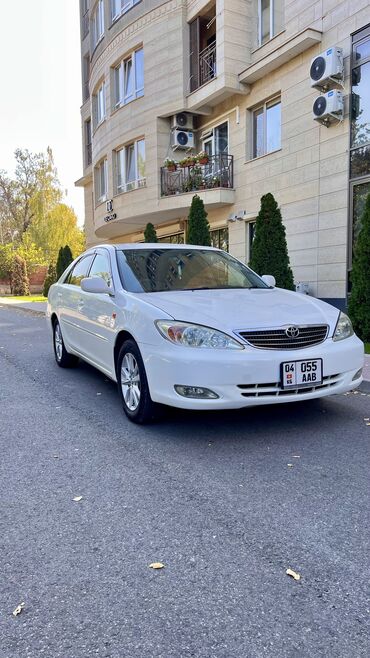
x=156 y=270
x=79 y=271
x=100 y=267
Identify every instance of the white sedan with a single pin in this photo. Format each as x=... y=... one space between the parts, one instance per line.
x=193 y=327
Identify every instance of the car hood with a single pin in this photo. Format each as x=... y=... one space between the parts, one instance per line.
x=233 y=310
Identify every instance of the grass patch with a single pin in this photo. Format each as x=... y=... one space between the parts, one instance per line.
x=367 y=348
x=24 y=298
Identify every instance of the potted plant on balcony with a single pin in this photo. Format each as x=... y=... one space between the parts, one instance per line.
x=189 y=161
x=202 y=158
x=171 y=165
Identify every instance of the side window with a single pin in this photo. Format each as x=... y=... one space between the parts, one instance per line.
x=79 y=271
x=101 y=267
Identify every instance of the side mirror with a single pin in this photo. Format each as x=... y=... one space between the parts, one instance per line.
x=96 y=284
x=269 y=279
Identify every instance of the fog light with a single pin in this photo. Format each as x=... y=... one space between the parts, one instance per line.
x=195 y=392
x=357 y=375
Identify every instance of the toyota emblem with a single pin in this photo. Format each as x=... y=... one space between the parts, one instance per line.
x=292 y=332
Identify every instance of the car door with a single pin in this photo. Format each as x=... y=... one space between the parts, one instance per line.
x=98 y=316
x=70 y=302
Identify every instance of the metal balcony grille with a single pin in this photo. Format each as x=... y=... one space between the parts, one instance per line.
x=277 y=339
x=217 y=173
x=85 y=25
x=207 y=64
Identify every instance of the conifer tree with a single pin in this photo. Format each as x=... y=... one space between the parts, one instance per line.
x=198 y=226
x=51 y=277
x=359 y=301
x=64 y=259
x=150 y=234
x=270 y=251
x=19 y=278
x=68 y=257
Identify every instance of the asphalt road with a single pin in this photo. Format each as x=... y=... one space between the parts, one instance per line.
x=211 y=496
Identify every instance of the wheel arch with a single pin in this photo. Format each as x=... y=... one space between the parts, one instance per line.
x=121 y=338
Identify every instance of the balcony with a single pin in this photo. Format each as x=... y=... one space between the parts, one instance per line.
x=216 y=174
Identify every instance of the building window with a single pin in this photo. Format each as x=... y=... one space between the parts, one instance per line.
x=88 y=143
x=267 y=128
x=97 y=23
x=85 y=18
x=175 y=238
x=119 y=7
x=101 y=181
x=270 y=19
x=203 y=49
x=129 y=78
x=360 y=132
x=130 y=167
x=99 y=106
x=86 y=77
x=251 y=231
x=220 y=238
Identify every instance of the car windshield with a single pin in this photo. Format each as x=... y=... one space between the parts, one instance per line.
x=159 y=270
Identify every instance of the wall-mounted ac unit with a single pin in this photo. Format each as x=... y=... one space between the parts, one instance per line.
x=182 y=139
x=183 y=120
x=328 y=108
x=327 y=69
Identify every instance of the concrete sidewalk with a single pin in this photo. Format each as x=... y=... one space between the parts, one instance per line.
x=39 y=308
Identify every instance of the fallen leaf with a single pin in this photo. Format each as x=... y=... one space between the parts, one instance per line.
x=77 y=499
x=290 y=465
x=366 y=418
x=156 y=565
x=297 y=456
x=98 y=394
x=18 y=609
x=367 y=423
x=293 y=574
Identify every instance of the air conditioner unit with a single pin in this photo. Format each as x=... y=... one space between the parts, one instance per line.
x=327 y=69
x=328 y=108
x=182 y=139
x=183 y=120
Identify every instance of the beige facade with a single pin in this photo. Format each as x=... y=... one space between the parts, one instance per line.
x=206 y=59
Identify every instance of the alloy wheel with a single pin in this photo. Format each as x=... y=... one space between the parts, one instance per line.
x=130 y=382
x=58 y=342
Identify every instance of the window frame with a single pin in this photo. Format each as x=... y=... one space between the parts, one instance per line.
x=104 y=254
x=99 y=103
x=121 y=168
x=101 y=168
x=119 y=80
x=97 y=24
x=126 y=5
x=66 y=279
x=271 y=102
x=272 y=27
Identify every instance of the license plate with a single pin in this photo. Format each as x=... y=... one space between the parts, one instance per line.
x=296 y=374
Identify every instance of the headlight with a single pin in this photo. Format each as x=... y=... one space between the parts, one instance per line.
x=344 y=327
x=194 y=335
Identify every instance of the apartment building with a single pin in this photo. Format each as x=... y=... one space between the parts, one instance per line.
x=166 y=79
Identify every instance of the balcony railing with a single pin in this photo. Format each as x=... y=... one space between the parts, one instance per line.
x=88 y=154
x=217 y=173
x=207 y=64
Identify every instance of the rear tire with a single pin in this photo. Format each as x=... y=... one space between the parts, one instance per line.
x=62 y=357
x=133 y=385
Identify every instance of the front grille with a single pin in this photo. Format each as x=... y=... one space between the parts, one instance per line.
x=274 y=390
x=277 y=339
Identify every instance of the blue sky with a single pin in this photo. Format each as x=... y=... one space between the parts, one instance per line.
x=41 y=86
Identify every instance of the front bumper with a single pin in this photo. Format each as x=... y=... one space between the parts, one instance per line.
x=248 y=377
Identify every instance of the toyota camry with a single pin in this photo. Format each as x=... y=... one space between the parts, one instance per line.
x=195 y=328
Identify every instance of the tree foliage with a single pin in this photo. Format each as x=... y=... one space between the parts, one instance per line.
x=198 y=226
x=56 y=228
x=19 y=278
x=51 y=277
x=359 y=301
x=270 y=250
x=31 y=194
x=64 y=259
x=150 y=234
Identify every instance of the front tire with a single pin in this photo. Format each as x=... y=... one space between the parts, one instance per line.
x=62 y=357
x=133 y=385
